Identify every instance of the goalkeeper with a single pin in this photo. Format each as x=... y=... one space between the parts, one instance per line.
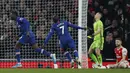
x=98 y=42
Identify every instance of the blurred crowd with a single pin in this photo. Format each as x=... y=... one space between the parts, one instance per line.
x=115 y=17
x=40 y=12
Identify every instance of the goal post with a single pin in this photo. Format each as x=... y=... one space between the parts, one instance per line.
x=82 y=35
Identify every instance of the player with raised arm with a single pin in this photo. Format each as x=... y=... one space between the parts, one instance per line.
x=98 y=41
x=121 y=56
x=66 y=41
x=27 y=36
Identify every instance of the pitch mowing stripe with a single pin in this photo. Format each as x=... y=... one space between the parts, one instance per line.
x=64 y=70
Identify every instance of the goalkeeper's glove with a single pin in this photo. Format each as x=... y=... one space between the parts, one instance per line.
x=85 y=28
x=90 y=36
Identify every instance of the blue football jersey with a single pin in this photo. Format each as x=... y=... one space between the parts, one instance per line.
x=24 y=25
x=62 y=31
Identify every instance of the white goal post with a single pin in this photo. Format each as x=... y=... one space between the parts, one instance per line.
x=82 y=35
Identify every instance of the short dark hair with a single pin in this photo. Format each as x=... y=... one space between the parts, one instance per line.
x=55 y=19
x=14 y=12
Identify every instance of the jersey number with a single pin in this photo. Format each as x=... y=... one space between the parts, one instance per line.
x=62 y=28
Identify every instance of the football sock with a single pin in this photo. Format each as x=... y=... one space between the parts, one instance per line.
x=67 y=54
x=93 y=57
x=43 y=51
x=17 y=51
x=100 y=59
x=76 y=53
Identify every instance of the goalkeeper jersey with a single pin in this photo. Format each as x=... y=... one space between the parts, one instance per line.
x=98 y=24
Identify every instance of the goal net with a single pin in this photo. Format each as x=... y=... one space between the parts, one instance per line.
x=40 y=13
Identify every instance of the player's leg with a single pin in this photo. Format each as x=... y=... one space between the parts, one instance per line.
x=71 y=45
x=112 y=66
x=99 y=56
x=35 y=46
x=66 y=53
x=91 y=54
x=99 y=47
x=42 y=51
x=123 y=64
x=17 y=51
x=17 y=54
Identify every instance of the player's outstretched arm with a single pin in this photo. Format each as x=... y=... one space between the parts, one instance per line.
x=76 y=27
x=49 y=36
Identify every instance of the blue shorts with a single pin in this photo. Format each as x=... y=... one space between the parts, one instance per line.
x=27 y=39
x=67 y=44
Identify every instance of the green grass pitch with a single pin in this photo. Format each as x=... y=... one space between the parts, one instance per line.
x=64 y=70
